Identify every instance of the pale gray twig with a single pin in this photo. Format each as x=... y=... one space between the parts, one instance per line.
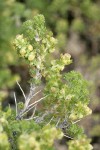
x=68 y=136
x=28 y=100
x=50 y=120
x=32 y=105
x=37 y=101
x=16 y=103
x=57 y=122
x=76 y=121
x=32 y=116
x=31 y=94
x=21 y=90
x=25 y=111
x=34 y=111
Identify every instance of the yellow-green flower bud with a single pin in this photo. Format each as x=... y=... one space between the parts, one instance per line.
x=67 y=55
x=88 y=110
x=66 y=58
x=53 y=40
x=72 y=117
x=22 y=52
x=61 y=67
x=19 y=37
x=31 y=56
x=80 y=116
x=53 y=89
x=44 y=41
x=51 y=50
x=30 y=47
x=62 y=91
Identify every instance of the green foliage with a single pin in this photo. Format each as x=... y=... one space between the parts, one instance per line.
x=25 y=134
x=75 y=131
x=65 y=95
x=40 y=139
x=7 y=55
x=11 y=13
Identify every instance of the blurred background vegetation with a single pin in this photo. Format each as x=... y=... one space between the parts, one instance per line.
x=76 y=25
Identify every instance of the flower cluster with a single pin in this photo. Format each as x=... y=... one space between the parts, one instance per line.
x=80 y=144
x=80 y=110
x=59 y=64
x=24 y=48
x=36 y=42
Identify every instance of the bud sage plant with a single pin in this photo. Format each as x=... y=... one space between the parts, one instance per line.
x=64 y=102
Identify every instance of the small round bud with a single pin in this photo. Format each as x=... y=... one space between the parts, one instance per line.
x=22 y=51
x=80 y=116
x=62 y=91
x=66 y=58
x=19 y=37
x=51 y=50
x=30 y=47
x=53 y=40
x=61 y=67
x=31 y=56
x=73 y=117
x=44 y=41
x=68 y=55
x=53 y=89
x=88 y=110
